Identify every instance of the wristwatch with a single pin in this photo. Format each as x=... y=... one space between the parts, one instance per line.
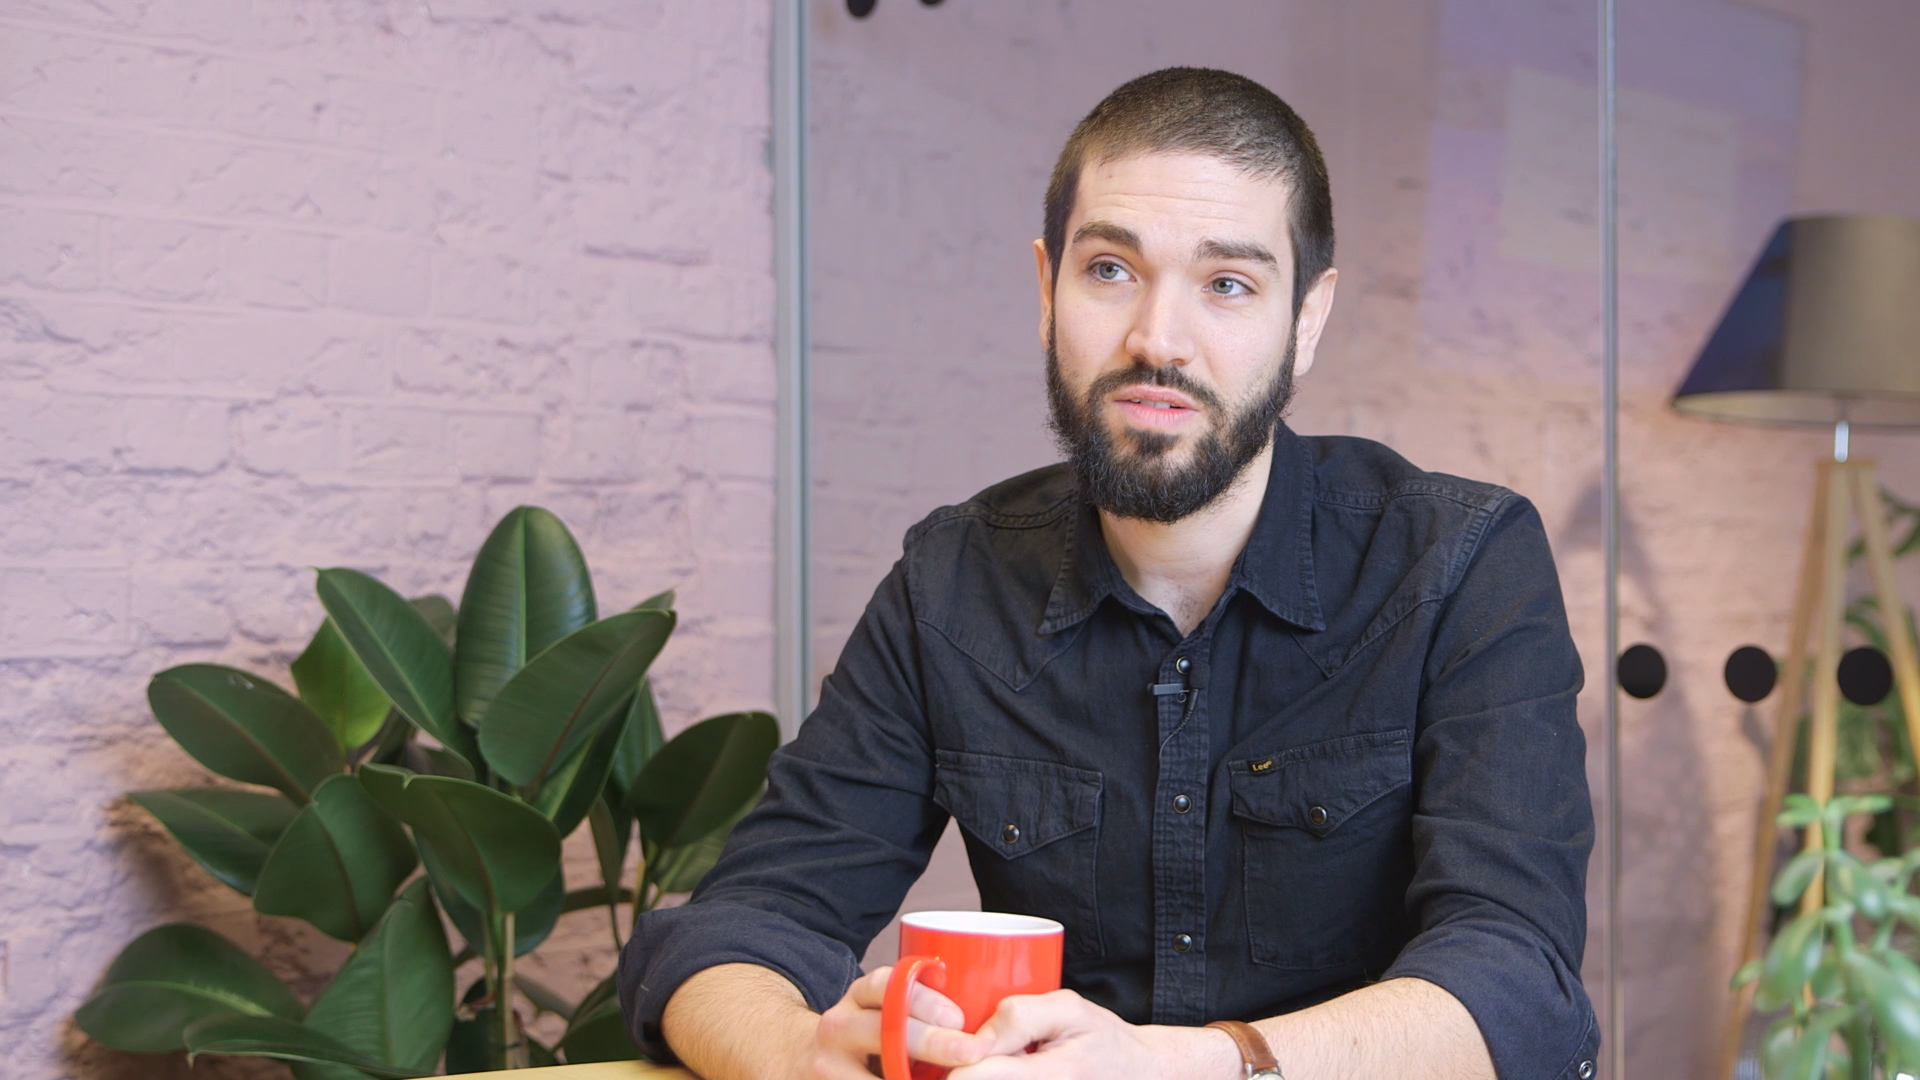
x=1255 y=1054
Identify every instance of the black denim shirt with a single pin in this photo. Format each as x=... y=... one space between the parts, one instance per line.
x=1363 y=764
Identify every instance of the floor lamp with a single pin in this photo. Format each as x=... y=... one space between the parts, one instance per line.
x=1826 y=331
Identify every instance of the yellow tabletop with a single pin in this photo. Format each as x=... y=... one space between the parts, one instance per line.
x=605 y=1070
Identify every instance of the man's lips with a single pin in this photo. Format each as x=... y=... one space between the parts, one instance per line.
x=1154 y=407
x=1154 y=395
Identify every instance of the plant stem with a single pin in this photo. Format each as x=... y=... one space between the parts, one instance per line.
x=513 y=1048
x=640 y=883
x=490 y=967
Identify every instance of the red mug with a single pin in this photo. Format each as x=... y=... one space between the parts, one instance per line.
x=976 y=958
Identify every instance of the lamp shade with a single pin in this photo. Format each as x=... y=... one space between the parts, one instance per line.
x=1825 y=328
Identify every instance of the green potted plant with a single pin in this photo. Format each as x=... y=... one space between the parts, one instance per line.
x=431 y=761
x=1840 y=971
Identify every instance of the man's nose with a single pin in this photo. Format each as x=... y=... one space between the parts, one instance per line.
x=1162 y=332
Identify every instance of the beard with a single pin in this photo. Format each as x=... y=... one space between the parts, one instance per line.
x=1140 y=480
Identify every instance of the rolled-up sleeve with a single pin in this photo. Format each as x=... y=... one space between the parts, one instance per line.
x=820 y=866
x=1503 y=824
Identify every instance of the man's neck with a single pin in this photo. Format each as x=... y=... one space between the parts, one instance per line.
x=1182 y=567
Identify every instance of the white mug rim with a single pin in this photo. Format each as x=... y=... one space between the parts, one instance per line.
x=982 y=923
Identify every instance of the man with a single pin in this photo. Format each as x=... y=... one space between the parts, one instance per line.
x=1282 y=729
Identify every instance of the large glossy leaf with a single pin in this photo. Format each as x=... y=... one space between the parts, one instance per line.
x=272 y=1037
x=400 y=649
x=679 y=869
x=395 y=737
x=702 y=777
x=598 y=1031
x=528 y=588
x=531 y=924
x=173 y=976
x=572 y=789
x=228 y=832
x=612 y=832
x=393 y=998
x=334 y=683
x=439 y=613
x=245 y=728
x=639 y=741
x=545 y=998
x=660 y=601
x=311 y=1070
x=495 y=851
x=594 y=896
x=435 y=761
x=338 y=863
x=557 y=703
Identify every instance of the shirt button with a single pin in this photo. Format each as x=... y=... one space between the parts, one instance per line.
x=1183 y=665
x=1586 y=1070
x=1316 y=816
x=1182 y=804
x=1182 y=942
x=1010 y=834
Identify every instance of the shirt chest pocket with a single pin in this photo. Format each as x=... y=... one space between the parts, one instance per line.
x=1032 y=830
x=1325 y=851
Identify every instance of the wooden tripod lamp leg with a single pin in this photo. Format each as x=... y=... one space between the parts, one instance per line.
x=1823 y=740
x=1873 y=529
x=1793 y=688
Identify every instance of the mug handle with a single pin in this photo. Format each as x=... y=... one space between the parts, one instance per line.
x=894 y=1063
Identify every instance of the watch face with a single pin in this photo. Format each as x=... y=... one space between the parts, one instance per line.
x=1268 y=1074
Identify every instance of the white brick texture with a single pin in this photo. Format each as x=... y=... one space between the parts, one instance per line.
x=338 y=284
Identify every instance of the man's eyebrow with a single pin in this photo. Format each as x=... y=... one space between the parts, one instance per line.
x=1117 y=235
x=1235 y=249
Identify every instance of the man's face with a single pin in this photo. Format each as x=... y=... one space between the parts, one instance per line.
x=1170 y=336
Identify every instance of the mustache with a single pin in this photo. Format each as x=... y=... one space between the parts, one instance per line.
x=1142 y=373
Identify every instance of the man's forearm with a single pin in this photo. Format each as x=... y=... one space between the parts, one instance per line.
x=738 y=1022
x=1402 y=1027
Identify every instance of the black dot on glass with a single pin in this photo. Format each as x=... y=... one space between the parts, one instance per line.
x=1642 y=671
x=1865 y=676
x=860 y=9
x=931 y=3
x=1751 y=673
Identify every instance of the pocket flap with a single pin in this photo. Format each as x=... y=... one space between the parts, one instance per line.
x=1318 y=786
x=1015 y=805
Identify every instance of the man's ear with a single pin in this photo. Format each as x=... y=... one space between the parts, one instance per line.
x=1314 y=309
x=1044 y=271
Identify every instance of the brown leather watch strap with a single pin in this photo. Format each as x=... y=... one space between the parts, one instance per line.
x=1255 y=1054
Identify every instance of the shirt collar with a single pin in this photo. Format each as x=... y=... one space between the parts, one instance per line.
x=1275 y=568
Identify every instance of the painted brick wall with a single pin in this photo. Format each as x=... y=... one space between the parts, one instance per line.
x=338 y=283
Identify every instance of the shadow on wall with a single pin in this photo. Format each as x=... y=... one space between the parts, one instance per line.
x=1669 y=861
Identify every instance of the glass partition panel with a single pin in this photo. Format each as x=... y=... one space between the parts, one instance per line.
x=1462 y=138
x=1732 y=117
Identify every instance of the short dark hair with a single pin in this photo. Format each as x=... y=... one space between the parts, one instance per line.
x=1221 y=115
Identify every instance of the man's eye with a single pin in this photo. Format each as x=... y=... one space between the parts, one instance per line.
x=1109 y=271
x=1228 y=287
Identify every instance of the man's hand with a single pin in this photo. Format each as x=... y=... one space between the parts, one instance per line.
x=847 y=1042
x=740 y=1021
x=1063 y=1036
